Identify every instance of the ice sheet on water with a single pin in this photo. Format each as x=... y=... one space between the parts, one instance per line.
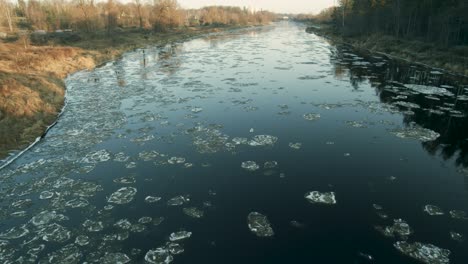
x=180 y=235
x=417 y=132
x=240 y=141
x=426 y=253
x=145 y=220
x=123 y=195
x=250 y=165
x=193 y=212
x=323 y=198
x=178 y=200
x=433 y=210
x=259 y=225
x=311 y=116
x=263 y=140
x=158 y=256
x=115 y=258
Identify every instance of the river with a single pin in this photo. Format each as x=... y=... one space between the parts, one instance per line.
x=261 y=145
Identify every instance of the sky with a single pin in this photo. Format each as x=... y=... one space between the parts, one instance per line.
x=278 y=6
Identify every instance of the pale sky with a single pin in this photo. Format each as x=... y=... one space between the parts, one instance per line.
x=279 y=6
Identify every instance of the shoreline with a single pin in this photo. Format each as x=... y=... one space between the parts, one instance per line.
x=414 y=52
x=86 y=57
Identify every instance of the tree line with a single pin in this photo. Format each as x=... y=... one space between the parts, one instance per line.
x=92 y=15
x=439 y=21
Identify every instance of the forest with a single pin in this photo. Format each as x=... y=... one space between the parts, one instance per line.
x=91 y=15
x=444 y=22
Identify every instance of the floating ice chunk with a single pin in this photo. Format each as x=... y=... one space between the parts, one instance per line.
x=259 y=225
x=158 y=256
x=152 y=199
x=458 y=214
x=356 y=124
x=399 y=228
x=93 y=226
x=158 y=220
x=115 y=258
x=123 y=224
x=311 y=116
x=193 y=212
x=176 y=160
x=123 y=195
x=263 y=140
x=407 y=104
x=97 y=156
x=77 y=203
x=175 y=248
x=457 y=236
x=176 y=236
x=297 y=224
x=250 y=165
x=318 y=197
x=45 y=217
x=82 y=240
x=148 y=155
x=145 y=220
x=69 y=254
x=295 y=145
x=270 y=164
x=22 y=203
x=55 y=233
x=46 y=195
x=121 y=157
x=131 y=165
x=251 y=130
x=196 y=110
x=433 y=210
x=426 y=253
x=429 y=90
x=15 y=232
x=178 y=200
x=137 y=228
x=125 y=180
x=240 y=141
x=417 y=132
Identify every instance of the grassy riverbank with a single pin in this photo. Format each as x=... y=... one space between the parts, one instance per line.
x=31 y=76
x=451 y=59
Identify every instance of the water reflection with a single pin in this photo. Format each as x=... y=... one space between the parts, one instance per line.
x=442 y=98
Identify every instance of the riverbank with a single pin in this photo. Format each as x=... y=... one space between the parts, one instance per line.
x=453 y=59
x=32 y=87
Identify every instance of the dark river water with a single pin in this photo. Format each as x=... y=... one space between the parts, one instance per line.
x=266 y=145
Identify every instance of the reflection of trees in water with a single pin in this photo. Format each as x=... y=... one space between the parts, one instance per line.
x=168 y=58
x=453 y=140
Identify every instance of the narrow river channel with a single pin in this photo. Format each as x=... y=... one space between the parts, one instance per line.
x=264 y=145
